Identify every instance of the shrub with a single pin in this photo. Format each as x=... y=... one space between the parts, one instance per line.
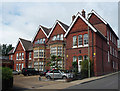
x=84 y=68
x=7 y=78
x=75 y=68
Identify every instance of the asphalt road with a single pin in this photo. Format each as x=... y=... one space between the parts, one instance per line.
x=110 y=82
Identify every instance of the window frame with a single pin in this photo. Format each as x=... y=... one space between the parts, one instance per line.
x=74 y=43
x=85 y=41
x=80 y=39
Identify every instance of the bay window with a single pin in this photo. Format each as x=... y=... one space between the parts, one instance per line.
x=41 y=53
x=35 y=53
x=59 y=50
x=53 y=50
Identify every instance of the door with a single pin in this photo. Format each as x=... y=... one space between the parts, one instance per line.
x=79 y=63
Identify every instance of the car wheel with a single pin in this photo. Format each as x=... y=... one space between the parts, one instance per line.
x=64 y=77
x=48 y=77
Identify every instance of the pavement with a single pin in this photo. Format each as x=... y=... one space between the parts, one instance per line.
x=65 y=85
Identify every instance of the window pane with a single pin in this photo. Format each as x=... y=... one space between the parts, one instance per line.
x=85 y=39
x=74 y=59
x=61 y=37
x=80 y=58
x=54 y=38
x=19 y=55
x=85 y=57
x=44 y=40
x=74 y=41
x=58 y=37
x=80 y=40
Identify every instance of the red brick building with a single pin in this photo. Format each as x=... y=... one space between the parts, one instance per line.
x=22 y=55
x=102 y=43
x=71 y=44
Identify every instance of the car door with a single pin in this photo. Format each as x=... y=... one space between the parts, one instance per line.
x=56 y=74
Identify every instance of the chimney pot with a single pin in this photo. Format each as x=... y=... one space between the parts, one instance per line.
x=83 y=13
x=73 y=17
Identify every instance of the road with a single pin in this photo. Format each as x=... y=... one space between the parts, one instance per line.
x=110 y=82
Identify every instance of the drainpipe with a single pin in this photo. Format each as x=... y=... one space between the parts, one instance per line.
x=102 y=59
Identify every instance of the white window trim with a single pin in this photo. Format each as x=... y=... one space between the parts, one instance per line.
x=74 y=47
x=80 y=46
x=86 y=45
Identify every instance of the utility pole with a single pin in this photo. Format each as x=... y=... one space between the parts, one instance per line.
x=88 y=49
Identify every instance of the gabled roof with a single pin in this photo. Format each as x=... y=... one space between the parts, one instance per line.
x=11 y=51
x=93 y=12
x=47 y=30
x=80 y=16
x=62 y=25
x=44 y=29
x=26 y=45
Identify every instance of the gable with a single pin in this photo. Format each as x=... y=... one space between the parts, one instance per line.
x=94 y=19
x=78 y=26
x=19 y=47
x=83 y=20
x=39 y=35
x=57 y=30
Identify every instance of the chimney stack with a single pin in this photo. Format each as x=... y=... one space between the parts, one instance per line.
x=73 y=17
x=83 y=13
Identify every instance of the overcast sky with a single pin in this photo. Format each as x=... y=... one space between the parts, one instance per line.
x=22 y=19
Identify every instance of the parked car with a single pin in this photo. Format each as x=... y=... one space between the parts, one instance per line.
x=44 y=72
x=58 y=74
x=15 y=72
x=29 y=71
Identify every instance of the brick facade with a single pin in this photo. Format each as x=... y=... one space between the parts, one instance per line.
x=102 y=44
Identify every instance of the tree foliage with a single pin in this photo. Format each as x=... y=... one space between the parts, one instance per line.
x=53 y=63
x=5 y=49
x=84 y=68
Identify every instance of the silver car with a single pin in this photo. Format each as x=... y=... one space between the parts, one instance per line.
x=58 y=74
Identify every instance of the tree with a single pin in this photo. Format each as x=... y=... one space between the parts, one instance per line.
x=53 y=63
x=6 y=49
